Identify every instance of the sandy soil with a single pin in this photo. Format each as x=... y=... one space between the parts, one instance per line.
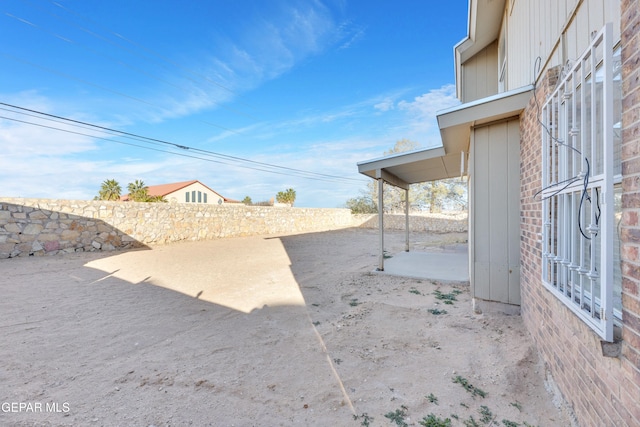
x=260 y=331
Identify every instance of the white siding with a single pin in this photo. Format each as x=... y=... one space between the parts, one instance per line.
x=480 y=74
x=495 y=215
x=554 y=30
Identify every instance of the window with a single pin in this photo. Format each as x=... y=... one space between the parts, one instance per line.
x=204 y=195
x=186 y=197
x=193 y=196
x=581 y=175
x=199 y=197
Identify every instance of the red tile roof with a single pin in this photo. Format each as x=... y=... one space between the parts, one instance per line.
x=164 y=189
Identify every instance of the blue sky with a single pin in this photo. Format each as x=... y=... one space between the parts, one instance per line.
x=314 y=86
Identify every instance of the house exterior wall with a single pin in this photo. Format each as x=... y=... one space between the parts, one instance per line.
x=480 y=74
x=603 y=391
x=600 y=381
x=180 y=196
x=590 y=383
x=557 y=31
x=495 y=218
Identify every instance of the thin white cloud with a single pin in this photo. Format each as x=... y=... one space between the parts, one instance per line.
x=24 y=136
x=38 y=163
x=354 y=38
x=269 y=44
x=277 y=41
x=427 y=105
x=386 y=105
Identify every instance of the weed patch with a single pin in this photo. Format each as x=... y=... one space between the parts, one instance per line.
x=487 y=416
x=366 y=419
x=475 y=391
x=436 y=311
x=447 y=298
x=432 y=398
x=432 y=421
x=471 y=422
x=398 y=416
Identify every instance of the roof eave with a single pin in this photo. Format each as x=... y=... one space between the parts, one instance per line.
x=455 y=123
x=484 y=21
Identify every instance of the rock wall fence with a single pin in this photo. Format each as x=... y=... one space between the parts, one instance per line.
x=432 y=223
x=43 y=226
x=33 y=227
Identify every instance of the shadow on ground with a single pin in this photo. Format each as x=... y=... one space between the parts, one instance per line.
x=288 y=330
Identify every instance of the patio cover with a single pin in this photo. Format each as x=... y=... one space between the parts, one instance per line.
x=447 y=161
x=412 y=167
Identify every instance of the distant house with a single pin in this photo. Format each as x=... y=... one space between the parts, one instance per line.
x=186 y=192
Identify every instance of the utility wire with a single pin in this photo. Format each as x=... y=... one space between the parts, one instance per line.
x=236 y=161
x=165 y=151
x=149 y=50
x=122 y=63
x=117 y=61
x=78 y=79
x=114 y=132
x=584 y=196
x=88 y=83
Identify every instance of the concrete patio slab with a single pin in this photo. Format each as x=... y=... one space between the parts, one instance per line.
x=444 y=266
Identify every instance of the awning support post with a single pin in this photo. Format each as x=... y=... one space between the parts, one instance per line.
x=406 y=219
x=381 y=222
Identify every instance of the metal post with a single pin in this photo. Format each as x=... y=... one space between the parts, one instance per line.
x=406 y=219
x=381 y=222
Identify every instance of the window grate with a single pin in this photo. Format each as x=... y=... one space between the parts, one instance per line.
x=578 y=177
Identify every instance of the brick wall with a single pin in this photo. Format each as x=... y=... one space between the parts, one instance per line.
x=603 y=391
x=630 y=235
x=47 y=227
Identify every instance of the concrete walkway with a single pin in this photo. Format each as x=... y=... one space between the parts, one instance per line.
x=449 y=265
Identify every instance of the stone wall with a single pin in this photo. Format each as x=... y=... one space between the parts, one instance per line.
x=432 y=223
x=43 y=226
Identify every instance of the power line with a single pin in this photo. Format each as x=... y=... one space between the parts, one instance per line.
x=230 y=160
x=123 y=63
x=168 y=152
x=140 y=46
x=104 y=88
x=163 y=110
x=68 y=76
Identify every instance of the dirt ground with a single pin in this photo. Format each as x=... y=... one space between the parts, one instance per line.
x=260 y=331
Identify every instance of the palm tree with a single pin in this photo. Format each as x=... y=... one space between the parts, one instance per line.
x=287 y=197
x=138 y=191
x=109 y=190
